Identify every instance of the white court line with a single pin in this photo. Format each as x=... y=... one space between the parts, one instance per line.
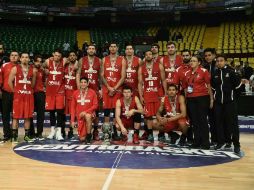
x=113 y=170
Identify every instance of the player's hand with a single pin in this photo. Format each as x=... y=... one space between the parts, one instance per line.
x=162 y=120
x=73 y=124
x=211 y=104
x=124 y=131
x=244 y=81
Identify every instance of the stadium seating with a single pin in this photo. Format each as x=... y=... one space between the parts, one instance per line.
x=36 y=39
x=62 y=3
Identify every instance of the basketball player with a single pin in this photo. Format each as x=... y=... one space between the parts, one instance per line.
x=84 y=105
x=39 y=99
x=171 y=62
x=132 y=65
x=175 y=113
x=55 y=93
x=7 y=94
x=89 y=67
x=70 y=86
x=150 y=77
x=128 y=110
x=23 y=101
x=113 y=73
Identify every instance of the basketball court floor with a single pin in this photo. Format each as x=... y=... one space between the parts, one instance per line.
x=71 y=165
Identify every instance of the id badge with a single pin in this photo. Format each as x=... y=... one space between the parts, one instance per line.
x=190 y=89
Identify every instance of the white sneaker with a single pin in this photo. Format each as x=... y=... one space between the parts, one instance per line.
x=58 y=134
x=52 y=133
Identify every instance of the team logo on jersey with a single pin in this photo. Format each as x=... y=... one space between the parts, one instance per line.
x=127 y=155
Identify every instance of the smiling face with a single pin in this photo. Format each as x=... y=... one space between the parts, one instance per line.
x=194 y=63
x=220 y=62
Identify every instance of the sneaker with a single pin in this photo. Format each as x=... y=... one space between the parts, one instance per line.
x=58 y=134
x=40 y=137
x=228 y=146
x=52 y=133
x=88 y=139
x=115 y=137
x=150 y=138
x=28 y=139
x=124 y=138
x=70 y=134
x=14 y=140
x=135 y=139
x=237 y=149
x=194 y=146
x=182 y=140
x=96 y=135
x=144 y=136
x=162 y=139
x=173 y=137
x=205 y=147
x=213 y=144
x=219 y=147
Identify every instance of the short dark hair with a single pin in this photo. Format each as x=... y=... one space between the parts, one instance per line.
x=58 y=51
x=36 y=57
x=72 y=52
x=24 y=52
x=92 y=44
x=172 y=85
x=186 y=50
x=129 y=44
x=126 y=87
x=84 y=78
x=199 y=58
x=148 y=51
x=221 y=55
x=113 y=42
x=212 y=50
x=171 y=43
x=155 y=44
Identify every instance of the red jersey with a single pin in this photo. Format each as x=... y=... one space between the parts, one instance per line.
x=69 y=80
x=132 y=73
x=23 y=82
x=55 y=80
x=152 y=82
x=113 y=70
x=40 y=79
x=171 y=66
x=172 y=107
x=126 y=108
x=91 y=71
x=198 y=81
x=87 y=102
x=5 y=73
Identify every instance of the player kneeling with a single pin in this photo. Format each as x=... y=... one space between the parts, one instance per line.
x=128 y=114
x=83 y=106
x=172 y=114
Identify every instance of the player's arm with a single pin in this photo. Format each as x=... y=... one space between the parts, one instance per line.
x=160 y=110
x=100 y=81
x=183 y=112
x=12 y=77
x=34 y=76
x=163 y=78
x=140 y=85
x=73 y=110
x=118 y=114
x=102 y=74
x=138 y=110
x=78 y=73
x=123 y=75
x=45 y=65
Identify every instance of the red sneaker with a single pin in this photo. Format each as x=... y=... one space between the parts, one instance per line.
x=135 y=138
x=144 y=136
x=96 y=135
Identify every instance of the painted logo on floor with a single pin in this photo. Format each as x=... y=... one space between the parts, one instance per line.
x=122 y=156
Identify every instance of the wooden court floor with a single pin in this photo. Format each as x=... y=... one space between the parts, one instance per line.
x=20 y=173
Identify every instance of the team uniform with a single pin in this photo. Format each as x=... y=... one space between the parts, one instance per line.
x=128 y=122
x=7 y=98
x=170 y=68
x=112 y=74
x=23 y=101
x=180 y=75
x=91 y=71
x=55 y=98
x=131 y=79
x=152 y=84
x=70 y=86
x=172 y=110
x=156 y=60
x=83 y=102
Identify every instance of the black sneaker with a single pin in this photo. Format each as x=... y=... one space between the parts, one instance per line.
x=40 y=137
x=205 y=147
x=70 y=134
x=194 y=146
x=150 y=138
x=227 y=146
x=182 y=141
x=213 y=144
x=219 y=146
x=237 y=149
x=88 y=139
x=173 y=137
x=115 y=137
